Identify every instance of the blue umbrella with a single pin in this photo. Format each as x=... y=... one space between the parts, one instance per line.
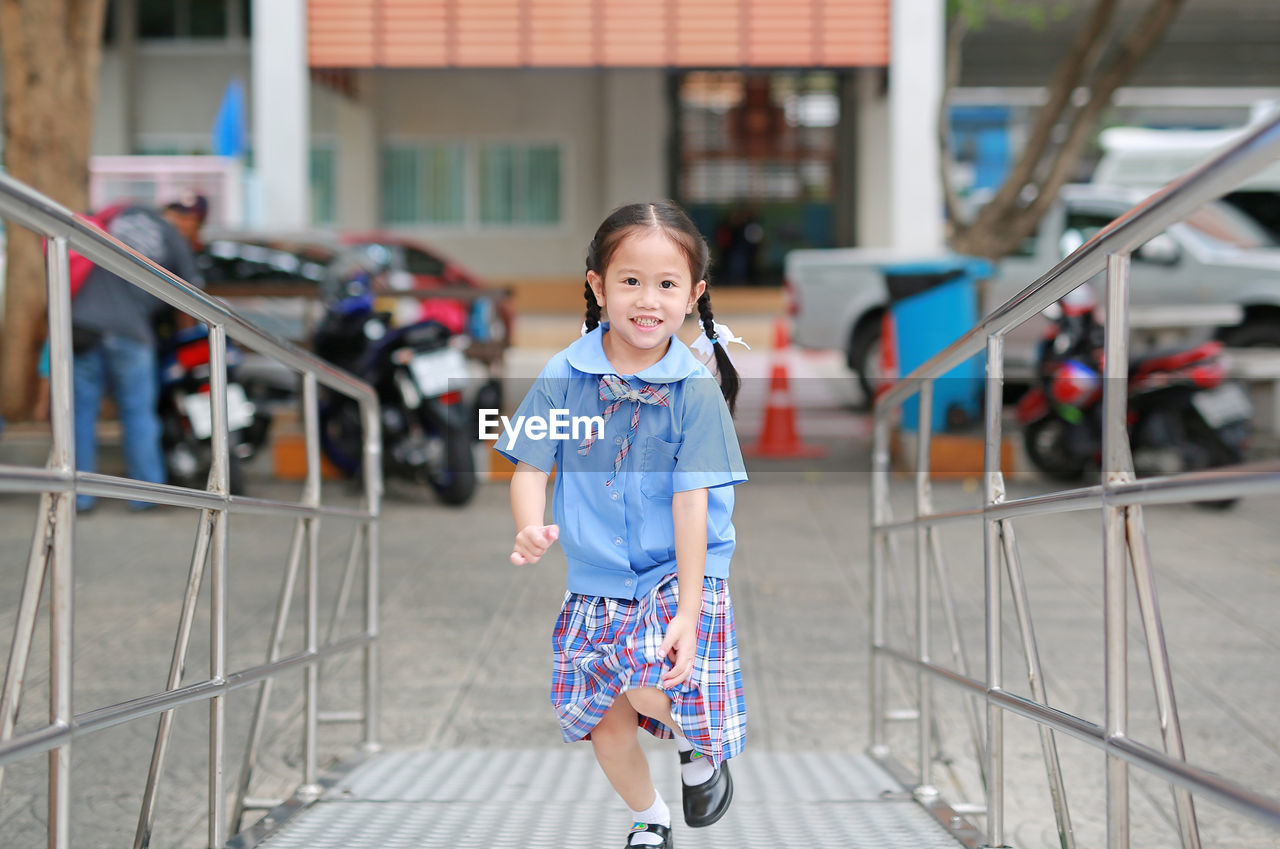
x=228 y=127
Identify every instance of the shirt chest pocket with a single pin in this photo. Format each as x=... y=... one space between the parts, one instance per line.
x=657 y=468
x=657 y=530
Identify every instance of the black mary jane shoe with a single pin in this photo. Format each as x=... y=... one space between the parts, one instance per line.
x=707 y=802
x=651 y=828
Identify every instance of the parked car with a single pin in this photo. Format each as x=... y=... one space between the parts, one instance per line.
x=1216 y=255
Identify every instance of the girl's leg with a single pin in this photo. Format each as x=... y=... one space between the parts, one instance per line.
x=617 y=749
x=653 y=703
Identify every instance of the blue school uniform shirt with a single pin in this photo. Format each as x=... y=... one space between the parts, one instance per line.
x=618 y=536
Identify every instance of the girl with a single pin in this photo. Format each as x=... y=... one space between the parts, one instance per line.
x=642 y=503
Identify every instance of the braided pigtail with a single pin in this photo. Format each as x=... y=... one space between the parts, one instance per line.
x=729 y=381
x=593 y=308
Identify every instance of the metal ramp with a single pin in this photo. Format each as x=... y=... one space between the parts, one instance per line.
x=503 y=799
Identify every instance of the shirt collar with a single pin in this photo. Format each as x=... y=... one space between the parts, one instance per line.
x=587 y=355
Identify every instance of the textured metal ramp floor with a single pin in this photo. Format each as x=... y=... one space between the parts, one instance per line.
x=558 y=798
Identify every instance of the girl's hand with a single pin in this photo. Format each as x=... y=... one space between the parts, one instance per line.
x=680 y=643
x=533 y=542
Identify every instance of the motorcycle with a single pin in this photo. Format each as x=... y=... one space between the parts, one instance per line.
x=186 y=423
x=1183 y=414
x=419 y=376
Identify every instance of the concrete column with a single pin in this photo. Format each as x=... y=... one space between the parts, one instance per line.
x=635 y=121
x=358 y=187
x=872 y=152
x=281 y=112
x=916 y=45
x=126 y=25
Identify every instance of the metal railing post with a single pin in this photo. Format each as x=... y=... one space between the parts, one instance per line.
x=177 y=663
x=219 y=482
x=61 y=563
x=924 y=681
x=373 y=566
x=311 y=675
x=1116 y=462
x=879 y=513
x=993 y=493
x=1144 y=587
x=1035 y=677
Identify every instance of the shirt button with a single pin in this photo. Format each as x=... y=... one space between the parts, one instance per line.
x=617 y=540
x=614 y=496
x=628 y=582
x=617 y=440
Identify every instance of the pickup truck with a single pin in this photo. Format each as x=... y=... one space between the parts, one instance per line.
x=1217 y=255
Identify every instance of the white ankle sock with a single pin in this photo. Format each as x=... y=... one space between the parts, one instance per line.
x=656 y=814
x=699 y=769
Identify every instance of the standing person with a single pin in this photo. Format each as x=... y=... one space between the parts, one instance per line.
x=643 y=503
x=187 y=214
x=115 y=348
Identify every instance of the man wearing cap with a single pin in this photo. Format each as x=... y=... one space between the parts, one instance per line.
x=115 y=348
x=187 y=215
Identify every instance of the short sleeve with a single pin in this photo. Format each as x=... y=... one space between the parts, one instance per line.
x=547 y=393
x=709 y=454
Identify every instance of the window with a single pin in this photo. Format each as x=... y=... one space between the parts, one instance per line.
x=421 y=262
x=519 y=184
x=322 y=179
x=192 y=18
x=485 y=184
x=761 y=137
x=755 y=165
x=424 y=184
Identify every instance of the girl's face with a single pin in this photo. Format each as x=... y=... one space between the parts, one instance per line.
x=646 y=292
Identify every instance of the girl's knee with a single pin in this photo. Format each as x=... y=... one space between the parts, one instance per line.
x=650 y=702
x=617 y=728
x=613 y=737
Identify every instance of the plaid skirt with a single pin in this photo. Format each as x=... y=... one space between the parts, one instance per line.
x=604 y=646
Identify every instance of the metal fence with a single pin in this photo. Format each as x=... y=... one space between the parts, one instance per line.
x=1119 y=495
x=52 y=562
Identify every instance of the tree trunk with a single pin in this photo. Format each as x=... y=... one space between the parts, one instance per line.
x=1040 y=173
x=51 y=51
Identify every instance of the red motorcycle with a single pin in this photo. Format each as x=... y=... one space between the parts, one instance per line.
x=1183 y=413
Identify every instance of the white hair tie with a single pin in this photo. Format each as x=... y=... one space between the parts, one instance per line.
x=723 y=337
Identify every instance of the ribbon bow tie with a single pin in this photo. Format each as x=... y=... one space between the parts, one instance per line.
x=618 y=391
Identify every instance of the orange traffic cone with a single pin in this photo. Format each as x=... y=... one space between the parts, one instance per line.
x=778 y=435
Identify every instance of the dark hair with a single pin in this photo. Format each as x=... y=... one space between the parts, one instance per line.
x=672 y=221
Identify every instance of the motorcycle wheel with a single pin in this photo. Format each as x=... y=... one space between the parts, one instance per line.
x=342 y=434
x=1218 y=454
x=455 y=481
x=1046 y=444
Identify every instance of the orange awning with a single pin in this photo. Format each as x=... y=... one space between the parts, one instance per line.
x=598 y=33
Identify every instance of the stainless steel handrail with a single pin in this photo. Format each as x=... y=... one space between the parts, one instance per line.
x=51 y=554
x=1119 y=495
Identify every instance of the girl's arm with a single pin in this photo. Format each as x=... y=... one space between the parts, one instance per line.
x=689 y=516
x=528 y=508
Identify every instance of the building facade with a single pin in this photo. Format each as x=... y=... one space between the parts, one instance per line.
x=502 y=131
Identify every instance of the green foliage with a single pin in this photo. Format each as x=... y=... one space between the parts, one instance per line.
x=1036 y=14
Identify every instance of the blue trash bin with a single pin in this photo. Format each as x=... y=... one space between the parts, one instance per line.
x=933 y=303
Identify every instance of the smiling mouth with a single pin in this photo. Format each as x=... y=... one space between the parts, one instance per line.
x=646 y=321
